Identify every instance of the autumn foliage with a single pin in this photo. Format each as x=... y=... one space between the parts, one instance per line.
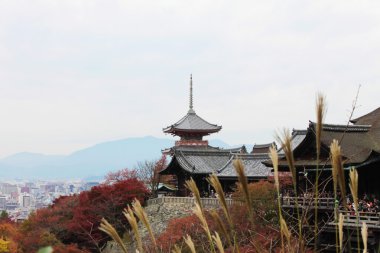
x=253 y=235
x=71 y=223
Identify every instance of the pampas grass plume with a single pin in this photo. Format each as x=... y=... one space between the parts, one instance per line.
x=218 y=242
x=354 y=183
x=340 y=229
x=176 y=249
x=199 y=213
x=192 y=186
x=320 y=111
x=190 y=243
x=107 y=228
x=286 y=143
x=337 y=170
x=239 y=168
x=274 y=158
x=141 y=214
x=220 y=224
x=365 y=236
x=214 y=181
x=128 y=213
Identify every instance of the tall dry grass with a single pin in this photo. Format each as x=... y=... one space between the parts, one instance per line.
x=286 y=144
x=289 y=242
x=320 y=113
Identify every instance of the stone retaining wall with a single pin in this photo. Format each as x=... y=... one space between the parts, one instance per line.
x=159 y=215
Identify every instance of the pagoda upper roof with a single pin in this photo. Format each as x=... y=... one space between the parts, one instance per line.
x=192 y=123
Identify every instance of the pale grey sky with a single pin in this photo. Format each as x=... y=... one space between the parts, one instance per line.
x=78 y=72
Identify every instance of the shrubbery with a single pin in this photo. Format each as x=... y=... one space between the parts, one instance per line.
x=75 y=219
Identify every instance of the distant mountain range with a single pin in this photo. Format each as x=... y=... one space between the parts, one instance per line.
x=90 y=163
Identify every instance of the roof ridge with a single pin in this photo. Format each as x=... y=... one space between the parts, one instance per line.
x=344 y=128
x=263 y=145
x=228 y=162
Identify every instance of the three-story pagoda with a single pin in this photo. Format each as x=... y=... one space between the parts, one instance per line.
x=191 y=128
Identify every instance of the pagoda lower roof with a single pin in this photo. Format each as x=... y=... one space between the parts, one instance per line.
x=192 y=123
x=218 y=161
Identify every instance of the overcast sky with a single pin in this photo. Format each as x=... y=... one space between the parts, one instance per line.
x=75 y=73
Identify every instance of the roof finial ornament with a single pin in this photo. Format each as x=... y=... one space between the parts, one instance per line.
x=191 y=95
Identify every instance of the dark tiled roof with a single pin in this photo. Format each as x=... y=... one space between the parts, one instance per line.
x=173 y=149
x=355 y=142
x=297 y=138
x=372 y=118
x=201 y=161
x=358 y=143
x=345 y=128
x=191 y=122
x=252 y=164
x=262 y=148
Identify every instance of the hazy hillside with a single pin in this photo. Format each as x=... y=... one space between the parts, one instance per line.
x=92 y=162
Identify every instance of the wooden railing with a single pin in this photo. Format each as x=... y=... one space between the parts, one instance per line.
x=307 y=201
x=206 y=202
x=352 y=220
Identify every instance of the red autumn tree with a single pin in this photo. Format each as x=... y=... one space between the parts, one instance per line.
x=104 y=201
x=48 y=226
x=9 y=232
x=75 y=219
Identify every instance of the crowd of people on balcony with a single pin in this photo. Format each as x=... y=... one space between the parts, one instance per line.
x=367 y=203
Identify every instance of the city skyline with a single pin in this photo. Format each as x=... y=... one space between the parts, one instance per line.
x=77 y=73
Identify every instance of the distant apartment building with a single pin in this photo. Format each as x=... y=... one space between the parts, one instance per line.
x=12 y=204
x=3 y=202
x=26 y=201
x=25 y=189
x=7 y=188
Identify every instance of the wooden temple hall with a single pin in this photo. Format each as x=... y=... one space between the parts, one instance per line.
x=193 y=157
x=360 y=148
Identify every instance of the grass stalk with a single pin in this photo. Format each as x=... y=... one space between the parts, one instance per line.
x=222 y=228
x=340 y=230
x=239 y=168
x=320 y=111
x=218 y=242
x=365 y=237
x=354 y=185
x=189 y=242
x=286 y=144
x=199 y=213
x=285 y=231
x=337 y=172
x=107 y=228
x=128 y=213
x=192 y=186
x=274 y=158
x=215 y=183
x=176 y=249
x=143 y=217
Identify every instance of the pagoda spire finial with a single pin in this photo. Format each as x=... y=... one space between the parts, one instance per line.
x=191 y=110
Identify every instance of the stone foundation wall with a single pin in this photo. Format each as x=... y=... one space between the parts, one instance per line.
x=159 y=215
